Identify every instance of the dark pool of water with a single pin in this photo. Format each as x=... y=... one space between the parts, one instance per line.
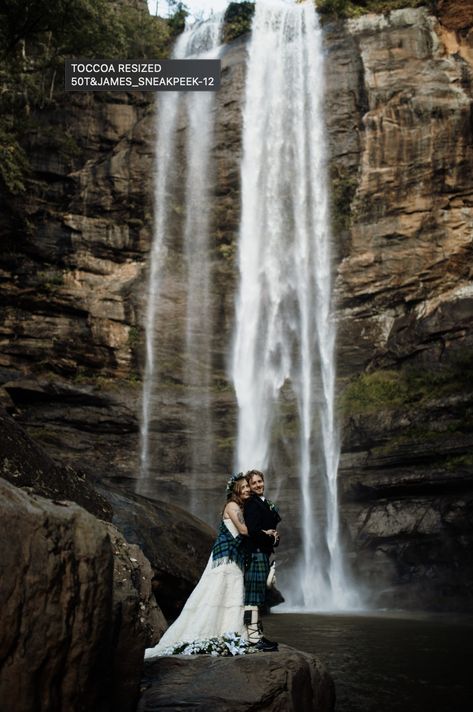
x=387 y=662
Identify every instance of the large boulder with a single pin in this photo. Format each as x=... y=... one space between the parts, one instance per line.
x=55 y=596
x=286 y=681
x=176 y=543
x=138 y=622
x=77 y=609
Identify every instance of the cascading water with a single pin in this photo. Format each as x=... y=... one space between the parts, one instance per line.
x=200 y=40
x=284 y=334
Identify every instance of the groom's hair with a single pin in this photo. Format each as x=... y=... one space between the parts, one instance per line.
x=251 y=474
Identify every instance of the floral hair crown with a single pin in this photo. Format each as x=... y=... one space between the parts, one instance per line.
x=232 y=482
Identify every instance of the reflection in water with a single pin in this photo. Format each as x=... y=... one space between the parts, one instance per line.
x=388 y=662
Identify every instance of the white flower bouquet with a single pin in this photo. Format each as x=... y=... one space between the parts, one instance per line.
x=225 y=645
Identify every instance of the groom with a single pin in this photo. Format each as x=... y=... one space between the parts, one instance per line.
x=260 y=516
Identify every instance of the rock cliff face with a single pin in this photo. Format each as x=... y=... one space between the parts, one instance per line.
x=399 y=114
x=405 y=302
x=407 y=260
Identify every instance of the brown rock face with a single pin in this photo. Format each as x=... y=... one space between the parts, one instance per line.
x=56 y=595
x=77 y=609
x=287 y=681
x=71 y=270
x=25 y=464
x=67 y=286
x=455 y=14
x=407 y=265
x=138 y=622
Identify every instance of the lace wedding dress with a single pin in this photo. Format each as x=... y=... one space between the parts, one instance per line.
x=214 y=607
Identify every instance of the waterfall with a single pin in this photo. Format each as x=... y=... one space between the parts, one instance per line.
x=284 y=340
x=196 y=110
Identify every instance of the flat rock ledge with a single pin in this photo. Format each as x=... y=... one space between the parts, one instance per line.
x=286 y=681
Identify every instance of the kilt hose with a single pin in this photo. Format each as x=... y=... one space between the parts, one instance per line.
x=255 y=579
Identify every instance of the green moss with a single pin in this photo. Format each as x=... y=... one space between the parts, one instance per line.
x=49 y=280
x=372 y=391
x=44 y=435
x=84 y=375
x=343 y=188
x=459 y=462
x=222 y=385
x=456 y=376
x=227 y=251
x=377 y=390
x=225 y=443
x=133 y=337
x=134 y=378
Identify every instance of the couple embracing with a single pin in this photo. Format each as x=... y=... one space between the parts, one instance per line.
x=232 y=589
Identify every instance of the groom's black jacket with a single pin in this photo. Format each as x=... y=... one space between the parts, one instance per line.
x=258 y=516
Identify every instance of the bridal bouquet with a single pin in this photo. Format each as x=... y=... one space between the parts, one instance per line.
x=224 y=645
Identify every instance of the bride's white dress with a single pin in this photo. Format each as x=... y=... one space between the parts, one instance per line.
x=214 y=607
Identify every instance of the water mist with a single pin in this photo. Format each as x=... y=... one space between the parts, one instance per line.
x=284 y=334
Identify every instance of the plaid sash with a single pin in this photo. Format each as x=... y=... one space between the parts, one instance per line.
x=227 y=548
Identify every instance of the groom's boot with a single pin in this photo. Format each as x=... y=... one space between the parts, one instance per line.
x=253 y=626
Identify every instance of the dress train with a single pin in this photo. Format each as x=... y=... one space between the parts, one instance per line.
x=214 y=607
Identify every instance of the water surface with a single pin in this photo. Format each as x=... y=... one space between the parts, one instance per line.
x=390 y=662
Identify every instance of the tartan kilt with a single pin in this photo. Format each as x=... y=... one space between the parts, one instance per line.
x=255 y=579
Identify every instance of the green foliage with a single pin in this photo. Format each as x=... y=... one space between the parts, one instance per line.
x=239 y=15
x=339 y=8
x=177 y=21
x=35 y=39
x=145 y=36
x=238 y=19
x=41 y=31
x=355 y=8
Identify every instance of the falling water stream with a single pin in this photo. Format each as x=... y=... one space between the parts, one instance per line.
x=284 y=333
x=200 y=40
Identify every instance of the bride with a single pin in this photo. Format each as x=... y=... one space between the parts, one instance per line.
x=215 y=606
